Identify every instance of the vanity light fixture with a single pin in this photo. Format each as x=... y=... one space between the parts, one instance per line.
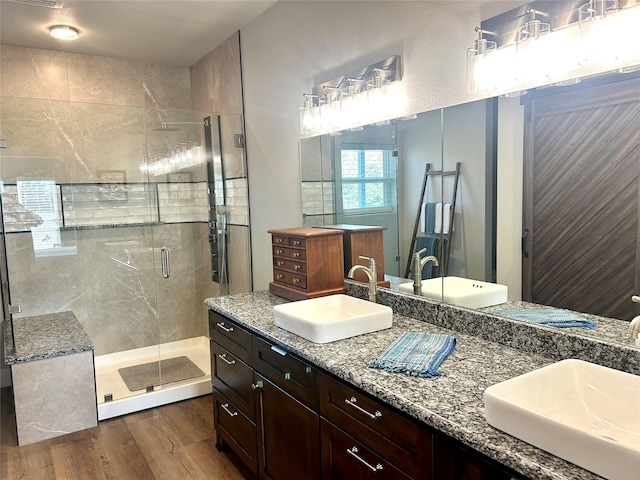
x=365 y=96
x=574 y=41
x=63 y=32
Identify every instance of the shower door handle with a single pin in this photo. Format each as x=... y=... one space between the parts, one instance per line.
x=164 y=260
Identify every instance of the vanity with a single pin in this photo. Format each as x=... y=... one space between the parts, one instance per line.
x=283 y=403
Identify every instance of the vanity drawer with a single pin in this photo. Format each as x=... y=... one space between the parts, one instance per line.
x=288 y=372
x=293 y=279
x=292 y=241
x=285 y=264
x=344 y=458
x=238 y=431
x=289 y=253
x=232 y=337
x=233 y=378
x=386 y=431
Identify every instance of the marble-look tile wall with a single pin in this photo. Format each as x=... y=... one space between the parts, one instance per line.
x=68 y=117
x=216 y=87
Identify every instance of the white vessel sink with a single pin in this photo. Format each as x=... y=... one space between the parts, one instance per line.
x=576 y=410
x=463 y=292
x=330 y=318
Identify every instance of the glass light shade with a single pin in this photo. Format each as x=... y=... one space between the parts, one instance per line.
x=347 y=111
x=308 y=118
x=330 y=116
x=378 y=104
x=532 y=59
x=494 y=72
x=63 y=32
x=611 y=41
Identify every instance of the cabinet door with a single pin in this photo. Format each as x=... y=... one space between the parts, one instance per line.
x=290 y=436
x=233 y=378
x=236 y=430
x=456 y=462
x=344 y=458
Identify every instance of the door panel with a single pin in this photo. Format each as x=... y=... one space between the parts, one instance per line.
x=583 y=165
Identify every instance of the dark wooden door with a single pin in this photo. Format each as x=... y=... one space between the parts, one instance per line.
x=290 y=436
x=582 y=169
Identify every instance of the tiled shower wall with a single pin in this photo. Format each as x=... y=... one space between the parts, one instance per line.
x=70 y=118
x=216 y=87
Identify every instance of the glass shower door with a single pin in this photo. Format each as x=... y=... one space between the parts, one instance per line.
x=177 y=168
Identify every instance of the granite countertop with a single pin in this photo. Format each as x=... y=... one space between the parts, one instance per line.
x=46 y=336
x=606 y=344
x=451 y=404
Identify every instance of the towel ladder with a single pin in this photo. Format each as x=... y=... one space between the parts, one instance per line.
x=442 y=267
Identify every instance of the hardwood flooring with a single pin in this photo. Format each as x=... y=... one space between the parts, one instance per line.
x=175 y=441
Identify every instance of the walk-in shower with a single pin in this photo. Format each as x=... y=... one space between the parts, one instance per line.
x=131 y=246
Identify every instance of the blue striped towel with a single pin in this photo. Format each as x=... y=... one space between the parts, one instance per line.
x=547 y=316
x=416 y=354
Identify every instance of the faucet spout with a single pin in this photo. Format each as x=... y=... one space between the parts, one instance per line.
x=372 y=274
x=418 y=265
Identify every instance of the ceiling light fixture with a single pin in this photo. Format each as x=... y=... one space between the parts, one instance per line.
x=63 y=32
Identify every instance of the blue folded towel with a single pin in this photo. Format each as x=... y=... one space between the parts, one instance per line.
x=430 y=217
x=416 y=354
x=547 y=316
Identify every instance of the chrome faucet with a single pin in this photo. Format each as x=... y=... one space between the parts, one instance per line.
x=418 y=265
x=634 y=326
x=372 y=273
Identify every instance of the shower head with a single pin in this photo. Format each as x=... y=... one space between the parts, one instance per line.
x=165 y=126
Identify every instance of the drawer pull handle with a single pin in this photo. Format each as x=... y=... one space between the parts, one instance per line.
x=280 y=350
x=296 y=255
x=279 y=240
x=280 y=263
x=353 y=451
x=297 y=267
x=296 y=242
x=258 y=384
x=279 y=251
x=225 y=407
x=353 y=402
x=224 y=358
x=221 y=325
x=279 y=276
x=296 y=280
x=287 y=376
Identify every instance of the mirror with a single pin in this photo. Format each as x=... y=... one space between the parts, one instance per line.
x=487 y=137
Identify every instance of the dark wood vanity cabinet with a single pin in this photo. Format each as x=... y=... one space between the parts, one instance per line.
x=287 y=421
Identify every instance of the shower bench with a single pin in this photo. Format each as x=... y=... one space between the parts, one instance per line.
x=53 y=376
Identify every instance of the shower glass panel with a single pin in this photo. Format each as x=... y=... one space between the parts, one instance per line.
x=107 y=217
x=78 y=219
x=177 y=167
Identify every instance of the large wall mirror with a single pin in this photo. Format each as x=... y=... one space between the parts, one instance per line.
x=547 y=203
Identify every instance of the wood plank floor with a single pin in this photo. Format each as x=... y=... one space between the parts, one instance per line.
x=174 y=441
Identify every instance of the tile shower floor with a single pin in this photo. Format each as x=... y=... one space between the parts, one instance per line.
x=109 y=380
